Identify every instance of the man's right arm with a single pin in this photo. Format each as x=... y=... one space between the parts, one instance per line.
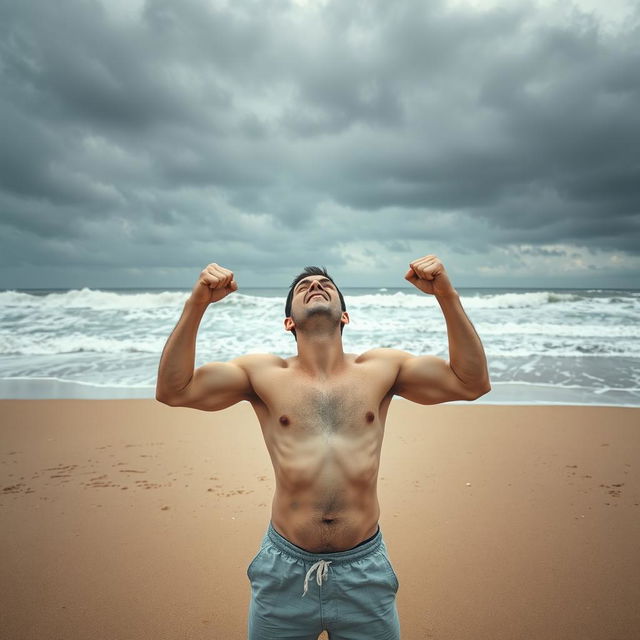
x=215 y=385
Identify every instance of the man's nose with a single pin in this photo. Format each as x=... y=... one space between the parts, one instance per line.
x=315 y=287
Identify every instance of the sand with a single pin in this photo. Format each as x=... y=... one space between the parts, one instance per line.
x=128 y=519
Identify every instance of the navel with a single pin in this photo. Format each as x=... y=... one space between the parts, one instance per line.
x=284 y=421
x=369 y=417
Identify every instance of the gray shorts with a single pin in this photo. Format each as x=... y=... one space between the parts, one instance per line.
x=295 y=594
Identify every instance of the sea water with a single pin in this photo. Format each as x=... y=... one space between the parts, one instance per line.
x=567 y=346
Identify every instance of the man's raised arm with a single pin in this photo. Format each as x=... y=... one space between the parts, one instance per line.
x=431 y=380
x=215 y=385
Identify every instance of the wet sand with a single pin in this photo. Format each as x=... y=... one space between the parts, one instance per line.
x=128 y=519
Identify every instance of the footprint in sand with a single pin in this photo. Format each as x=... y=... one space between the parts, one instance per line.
x=615 y=493
x=100 y=482
x=63 y=467
x=235 y=492
x=145 y=484
x=14 y=488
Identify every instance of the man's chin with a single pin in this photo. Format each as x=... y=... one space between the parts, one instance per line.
x=319 y=309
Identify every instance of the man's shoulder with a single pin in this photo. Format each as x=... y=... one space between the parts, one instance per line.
x=256 y=361
x=383 y=354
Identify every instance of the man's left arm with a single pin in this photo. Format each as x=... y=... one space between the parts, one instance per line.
x=431 y=380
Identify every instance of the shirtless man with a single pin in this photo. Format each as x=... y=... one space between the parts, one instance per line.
x=322 y=415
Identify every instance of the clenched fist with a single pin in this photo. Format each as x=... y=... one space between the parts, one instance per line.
x=215 y=282
x=428 y=275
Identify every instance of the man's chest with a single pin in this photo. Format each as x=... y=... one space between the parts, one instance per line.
x=344 y=405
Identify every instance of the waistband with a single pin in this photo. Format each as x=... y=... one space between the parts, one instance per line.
x=336 y=557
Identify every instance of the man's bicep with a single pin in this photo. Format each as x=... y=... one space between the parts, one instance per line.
x=429 y=380
x=214 y=386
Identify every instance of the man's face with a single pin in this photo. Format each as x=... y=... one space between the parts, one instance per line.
x=315 y=296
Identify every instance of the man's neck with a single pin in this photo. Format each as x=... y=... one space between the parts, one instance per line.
x=320 y=356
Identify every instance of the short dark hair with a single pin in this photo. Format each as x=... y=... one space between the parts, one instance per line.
x=311 y=271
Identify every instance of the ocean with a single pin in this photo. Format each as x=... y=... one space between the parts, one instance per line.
x=543 y=346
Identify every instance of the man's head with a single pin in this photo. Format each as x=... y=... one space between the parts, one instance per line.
x=312 y=293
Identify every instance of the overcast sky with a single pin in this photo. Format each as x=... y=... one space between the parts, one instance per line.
x=140 y=141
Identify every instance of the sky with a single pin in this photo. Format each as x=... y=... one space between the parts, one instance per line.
x=142 y=141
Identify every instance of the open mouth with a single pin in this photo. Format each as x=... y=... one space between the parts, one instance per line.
x=314 y=295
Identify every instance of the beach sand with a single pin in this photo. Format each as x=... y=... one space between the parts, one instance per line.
x=128 y=519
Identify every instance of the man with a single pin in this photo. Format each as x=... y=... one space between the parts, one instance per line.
x=323 y=563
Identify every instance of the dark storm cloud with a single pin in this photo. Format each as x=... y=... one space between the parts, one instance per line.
x=263 y=130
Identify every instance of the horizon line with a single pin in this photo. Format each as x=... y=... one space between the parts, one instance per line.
x=408 y=288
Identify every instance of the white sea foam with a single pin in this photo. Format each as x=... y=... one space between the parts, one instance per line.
x=559 y=330
x=66 y=344
x=106 y=300
x=589 y=338
x=96 y=299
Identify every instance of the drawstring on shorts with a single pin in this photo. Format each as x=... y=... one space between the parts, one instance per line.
x=322 y=567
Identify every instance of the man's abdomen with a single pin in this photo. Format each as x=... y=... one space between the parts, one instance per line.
x=320 y=530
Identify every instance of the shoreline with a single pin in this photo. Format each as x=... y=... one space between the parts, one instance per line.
x=502 y=393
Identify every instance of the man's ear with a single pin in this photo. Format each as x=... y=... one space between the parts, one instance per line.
x=289 y=324
x=344 y=318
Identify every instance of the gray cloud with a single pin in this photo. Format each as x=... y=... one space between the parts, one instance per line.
x=267 y=134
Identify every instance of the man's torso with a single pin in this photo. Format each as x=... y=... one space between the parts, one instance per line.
x=324 y=438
